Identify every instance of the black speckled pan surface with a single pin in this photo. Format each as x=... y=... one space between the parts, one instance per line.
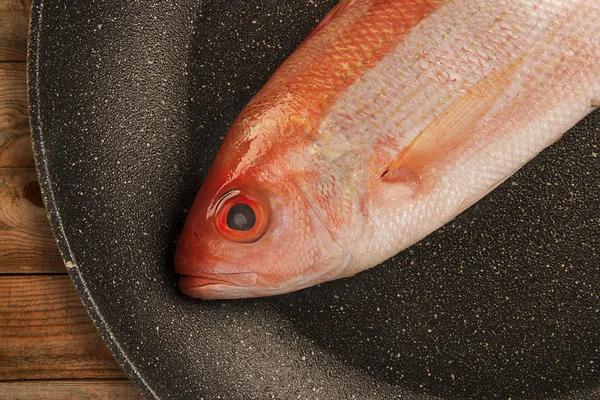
x=129 y=103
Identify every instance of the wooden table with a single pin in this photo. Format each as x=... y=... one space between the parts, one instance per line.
x=49 y=348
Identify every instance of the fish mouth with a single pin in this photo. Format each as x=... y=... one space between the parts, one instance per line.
x=216 y=285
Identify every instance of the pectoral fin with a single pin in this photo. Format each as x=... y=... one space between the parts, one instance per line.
x=447 y=136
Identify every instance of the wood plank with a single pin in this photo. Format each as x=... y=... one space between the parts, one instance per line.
x=14 y=24
x=26 y=241
x=76 y=389
x=15 y=142
x=45 y=332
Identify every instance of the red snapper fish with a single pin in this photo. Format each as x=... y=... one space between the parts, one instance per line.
x=389 y=120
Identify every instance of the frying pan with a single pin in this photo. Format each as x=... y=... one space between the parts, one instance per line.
x=129 y=102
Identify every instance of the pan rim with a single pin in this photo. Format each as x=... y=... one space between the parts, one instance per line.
x=35 y=82
x=44 y=177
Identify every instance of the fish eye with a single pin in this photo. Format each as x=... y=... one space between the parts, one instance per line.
x=241 y=217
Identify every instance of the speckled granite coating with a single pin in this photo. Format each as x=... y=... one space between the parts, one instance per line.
x=129 y=102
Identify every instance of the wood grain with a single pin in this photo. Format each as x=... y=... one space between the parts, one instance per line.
x=15 y=142
x=14 y=24
x=45 y=332
x=26 y=241
x=77 y=389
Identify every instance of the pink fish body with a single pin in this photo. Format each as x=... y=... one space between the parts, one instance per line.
x=389 y=120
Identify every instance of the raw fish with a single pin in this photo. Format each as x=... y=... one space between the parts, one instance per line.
x=389 y=120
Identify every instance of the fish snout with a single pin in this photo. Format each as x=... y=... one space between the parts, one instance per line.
x=191 y=258
x=206 y=275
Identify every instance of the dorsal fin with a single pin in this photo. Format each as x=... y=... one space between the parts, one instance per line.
x=447 y=136
x=343 y=4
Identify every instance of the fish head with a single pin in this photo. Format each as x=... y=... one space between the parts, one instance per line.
x=248 y=238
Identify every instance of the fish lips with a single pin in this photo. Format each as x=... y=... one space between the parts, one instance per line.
x=215 y=285
x=218 y=286
x=195 y=282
